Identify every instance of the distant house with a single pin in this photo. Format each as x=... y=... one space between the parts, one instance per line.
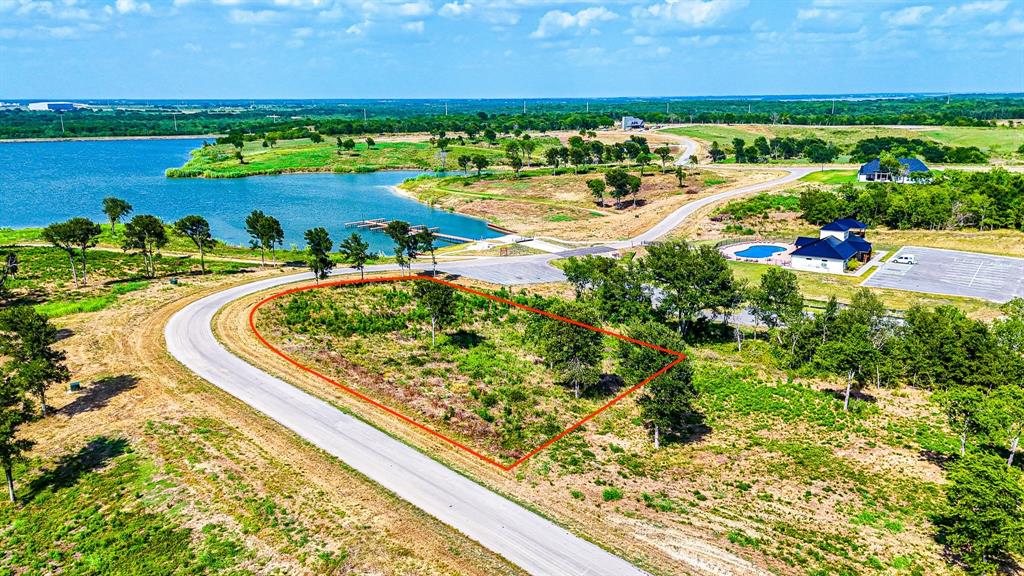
x=872 y=171
x=55 y=106
x=629 y=122
x=837 y=243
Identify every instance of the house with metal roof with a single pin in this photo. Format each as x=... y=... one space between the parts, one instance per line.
x=837 y=243
x=872 y=171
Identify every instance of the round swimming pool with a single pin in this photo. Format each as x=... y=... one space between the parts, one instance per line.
x=760 y=251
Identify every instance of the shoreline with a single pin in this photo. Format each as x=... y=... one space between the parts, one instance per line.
x=109 y=138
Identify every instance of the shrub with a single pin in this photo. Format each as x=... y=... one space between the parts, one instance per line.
x=611 y=494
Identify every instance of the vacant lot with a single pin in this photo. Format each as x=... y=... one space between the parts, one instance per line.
x=562 y=206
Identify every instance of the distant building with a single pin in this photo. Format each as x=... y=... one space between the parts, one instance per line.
x=55 y=106
x=872 y=171
x=629 y=122
x=837 y=243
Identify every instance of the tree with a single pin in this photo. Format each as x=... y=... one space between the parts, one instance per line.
x=663 y=152
x=146 y=235
x=680 y=176
x=573 y=351
x=15 y=411
x=440 y=300
x=739 y=148
x=984 y=518
x=1003 y=415
x=8 y=268
x=26 y=340
x=846 y=354
x=618 y=180
x=355 y=251
x=528 y=145
x=777 y=298
x=480 y=162
x=577 y=157
x=464 y=161
x=689 y=279
x=370 y=142
x=716 y=153
x=891 y=165
x=425 y=243
x=597 y=188
x=76 y=235
x=820 y=153
x=642 y=160
x=667 y=402
x=318 y=252
x=115 y=209
x=553 y=157
x=633 y=186
x=348 y=144
x=265 y=233
x=197 y=229
x=400 y=233
x=962 y=405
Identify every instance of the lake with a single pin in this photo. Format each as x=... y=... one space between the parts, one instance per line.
x=44 y=182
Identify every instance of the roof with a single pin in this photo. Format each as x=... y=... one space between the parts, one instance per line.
x=844 y=224
x=859 y=244
x=805 y=240
x=827 y=247
x=911 y=164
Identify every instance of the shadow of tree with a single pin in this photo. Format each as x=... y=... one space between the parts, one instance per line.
x=99 y=393
x=71 y=467
x=465 y=339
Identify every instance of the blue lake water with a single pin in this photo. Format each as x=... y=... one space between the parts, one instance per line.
x=44 y=182
x=760 y=251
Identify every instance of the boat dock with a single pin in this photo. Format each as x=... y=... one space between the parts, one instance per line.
x=379 y=224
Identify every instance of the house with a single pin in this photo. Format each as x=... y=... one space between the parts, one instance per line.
x=837 y=243
x=872 y=171
x=629 y=122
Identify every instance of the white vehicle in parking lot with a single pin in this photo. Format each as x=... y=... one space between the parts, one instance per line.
x=905 y=259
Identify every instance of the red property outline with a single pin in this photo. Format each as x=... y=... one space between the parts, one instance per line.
x=252 y=325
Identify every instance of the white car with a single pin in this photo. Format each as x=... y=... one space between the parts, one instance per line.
x=905 y=259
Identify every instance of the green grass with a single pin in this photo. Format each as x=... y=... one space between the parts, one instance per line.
x=305 y=156
x=108 y=510
x=714 y=132
x=55 y=309
x=1001 y=142
x=831 y=177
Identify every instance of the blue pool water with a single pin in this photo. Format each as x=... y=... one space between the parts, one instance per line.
x=760 y=251
x=44 y=182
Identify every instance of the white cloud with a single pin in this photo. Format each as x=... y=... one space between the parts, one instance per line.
x=416 y=26
x=416 y=9
x=1012 y=27
x=129 y=6
x=955 y=14
x=819 y=14
x=305 y=4
x=454 y=9
x=192 y=47
x=253 y=16
x=693 y=13
x=557 y=21
x=908 y=16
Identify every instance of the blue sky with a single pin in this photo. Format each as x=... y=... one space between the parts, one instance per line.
x=504 y=48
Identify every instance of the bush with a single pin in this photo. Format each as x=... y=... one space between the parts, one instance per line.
x=611 y=494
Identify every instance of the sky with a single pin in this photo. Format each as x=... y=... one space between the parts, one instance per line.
x=193 y=49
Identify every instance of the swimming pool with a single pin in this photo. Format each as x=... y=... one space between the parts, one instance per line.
x=760 y=251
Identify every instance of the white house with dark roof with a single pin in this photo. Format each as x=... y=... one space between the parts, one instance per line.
x=837 y=243
x=872 y=171
x=630 y=122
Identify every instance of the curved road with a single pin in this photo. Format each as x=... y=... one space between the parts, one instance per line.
x=520 y=536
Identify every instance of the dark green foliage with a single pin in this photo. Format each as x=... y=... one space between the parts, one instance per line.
x=26 y=344
x=984 y=519
x=145 y=234
x=760 y=205
x=871 y=148
x=438 y=299
x=197 y=229
x=355 y=251
x=951 y=199
x=115 y=209
x=74 y=236
x=777 y=299
x=318 y=252
x=265 y=232
x=617 y=289
x=575 y=352
x=691 y=280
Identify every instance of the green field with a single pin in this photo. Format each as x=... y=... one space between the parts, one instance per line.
x=1001 y=142
x=306 y=156
x=831 y=177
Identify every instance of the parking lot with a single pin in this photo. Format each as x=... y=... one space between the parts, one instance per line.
x=953 y=273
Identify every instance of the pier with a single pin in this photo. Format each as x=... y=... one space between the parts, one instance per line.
x=379 y=224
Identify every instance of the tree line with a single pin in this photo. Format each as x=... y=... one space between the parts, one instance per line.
x=946 y=200
x=818 y=151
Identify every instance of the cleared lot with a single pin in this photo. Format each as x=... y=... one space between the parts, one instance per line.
x=953 y=273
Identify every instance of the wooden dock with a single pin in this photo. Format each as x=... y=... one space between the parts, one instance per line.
x=379 y=224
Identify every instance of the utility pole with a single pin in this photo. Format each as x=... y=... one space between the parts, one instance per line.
x=588 y=107
x=364 y=115
x=524 y=106
x=175 y=116
x=445 y=108
x=61 y=115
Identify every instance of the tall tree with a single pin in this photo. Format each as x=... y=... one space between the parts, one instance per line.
x=573 y=351
x=618 y=180
x=425 y=242
x=26 y=340
x=553 y=157
x=265 y=233
x=115 y=209
x=440 y=300
x=963 y=405
x=15 y=411
x=464 y=161
x=739 y=148
x=663 y=152
x=776 y=298
x=197 y=229
x=642 y=160
x=1003 y=416
x=74 y=237
x=318 y=252
x=597 y=188
x=355 y=251
x=847 y=354
x=690 y=279
x=667 y=402
x=400 y=233
x=480 y=162
x=146 y=235
x=984 y=518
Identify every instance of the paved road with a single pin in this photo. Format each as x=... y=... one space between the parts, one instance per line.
x=522 y=537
